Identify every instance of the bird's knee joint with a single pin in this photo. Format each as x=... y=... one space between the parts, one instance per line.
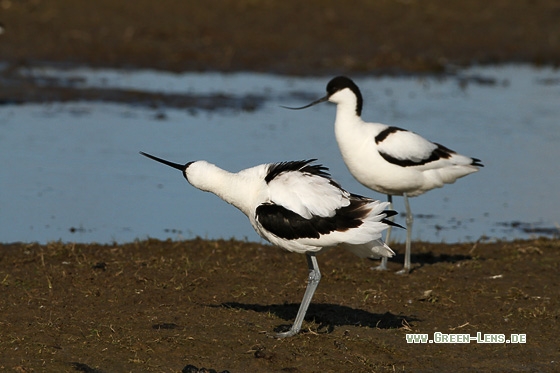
x=409 y=219
x=314 y=276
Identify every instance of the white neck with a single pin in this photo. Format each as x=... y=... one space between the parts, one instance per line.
x=351 y=133
x=348 y=125
x=236 y=189
x=346 y=102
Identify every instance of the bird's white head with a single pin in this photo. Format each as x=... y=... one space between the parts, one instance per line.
x=341 y=91
x=199 y=173
x=206 y=176
x=226 y=185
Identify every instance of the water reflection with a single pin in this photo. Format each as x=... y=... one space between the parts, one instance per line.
x=72 y=171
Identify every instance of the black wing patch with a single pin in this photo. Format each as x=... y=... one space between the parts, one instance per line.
x=438 y=153
x=303 y=166
x=289 y=225
x=386 y=132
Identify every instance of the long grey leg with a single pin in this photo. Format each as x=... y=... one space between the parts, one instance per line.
x=383 y=265
x=409 y=221
x=312 y=282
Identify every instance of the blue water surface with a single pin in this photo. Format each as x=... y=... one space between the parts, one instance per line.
x=72 y=172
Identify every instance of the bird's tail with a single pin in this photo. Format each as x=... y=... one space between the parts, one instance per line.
x=388 y=214
x=375 y=249
x=366 y=241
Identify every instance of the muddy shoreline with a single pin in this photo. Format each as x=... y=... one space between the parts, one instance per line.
x=321 y=38
x=310 y=38
x=160 y=306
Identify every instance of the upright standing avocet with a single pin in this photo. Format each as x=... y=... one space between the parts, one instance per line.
x=389 y=159
x=298 y=207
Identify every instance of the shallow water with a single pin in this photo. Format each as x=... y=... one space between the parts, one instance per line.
x=72 y=172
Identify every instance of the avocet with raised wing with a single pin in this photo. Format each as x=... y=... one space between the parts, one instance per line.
x=298 y=207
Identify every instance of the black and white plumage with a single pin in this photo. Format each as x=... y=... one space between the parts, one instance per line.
x=298 y=207
x=390 y=159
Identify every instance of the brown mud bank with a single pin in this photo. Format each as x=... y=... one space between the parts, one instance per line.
x=289 y=37
x=159 y=306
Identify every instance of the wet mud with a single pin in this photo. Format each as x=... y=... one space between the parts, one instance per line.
x=166 y=306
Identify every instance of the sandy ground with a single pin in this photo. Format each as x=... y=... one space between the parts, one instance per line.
x=157 y=306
